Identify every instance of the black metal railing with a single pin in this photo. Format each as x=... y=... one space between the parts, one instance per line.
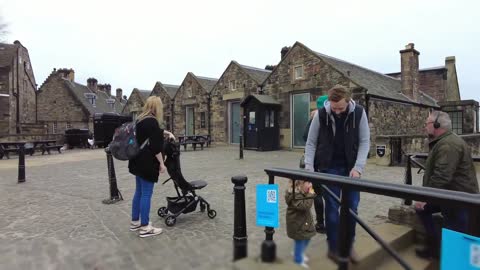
x=417 y=160
x=453 y=199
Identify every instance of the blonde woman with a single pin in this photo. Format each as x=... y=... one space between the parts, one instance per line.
x=148 y=165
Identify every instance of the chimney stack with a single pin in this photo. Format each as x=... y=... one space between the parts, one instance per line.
x=92 y=84
x=409 y=68
x=119 y=94
x=452 y=90
x=107 y=88
x=284 y=51
x=67 y=74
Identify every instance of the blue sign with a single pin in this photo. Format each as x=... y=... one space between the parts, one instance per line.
x=267 y=205
x=459 y=251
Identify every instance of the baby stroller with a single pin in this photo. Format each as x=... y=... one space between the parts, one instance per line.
x=186 y=200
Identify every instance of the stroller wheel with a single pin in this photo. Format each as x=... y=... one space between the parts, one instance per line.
x=162 y=211
x=170 y=221
x=212 y=213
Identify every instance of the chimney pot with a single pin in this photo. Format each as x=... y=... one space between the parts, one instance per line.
x=92 y=84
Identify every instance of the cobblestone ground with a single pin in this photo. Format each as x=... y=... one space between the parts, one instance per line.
x=56 y=219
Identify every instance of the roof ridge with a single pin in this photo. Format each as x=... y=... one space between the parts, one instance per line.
x=206 y=78
x=255 y=68
x=358 y=66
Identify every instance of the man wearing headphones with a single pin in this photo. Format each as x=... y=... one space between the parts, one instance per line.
x=449 y=166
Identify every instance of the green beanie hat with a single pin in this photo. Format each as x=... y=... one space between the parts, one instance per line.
x=320 y=101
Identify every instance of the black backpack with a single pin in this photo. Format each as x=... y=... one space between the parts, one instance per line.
x=124 y=145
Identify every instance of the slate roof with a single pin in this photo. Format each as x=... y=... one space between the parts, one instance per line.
x=101 y=105
x=258 y=74
x=420 y=70
x=206 y=83
x=264 y=99
x=171 y=89
x=376 y=83
x=7 y=53
x=144 y=94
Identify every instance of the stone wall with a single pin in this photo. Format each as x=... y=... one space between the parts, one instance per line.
x=473 y=140
x=395 y=118
x=56 y=104
x=167 y=106
x=222 y=95
x=134 y=105
x=434 y=83
x=191 y=94
x=318 y=78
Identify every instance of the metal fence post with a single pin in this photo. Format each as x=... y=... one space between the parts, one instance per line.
x=239 y=219
x=241 y=147
x=344 y=237
x=269 y=248
x=21 y=163
x=408 y=177
x=115 y=195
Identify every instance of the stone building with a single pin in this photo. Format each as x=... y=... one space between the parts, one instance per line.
x=135 y=102
x=17 y=91
x=167 y=93
x=63 y=103
x=236 y=83
x=192 y=106
x=396 y=106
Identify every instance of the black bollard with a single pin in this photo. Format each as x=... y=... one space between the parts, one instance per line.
x=241 y=147
x=239 y=218
x=269 y=248
x=21 y=163
x=408 y=177
x=115 y=195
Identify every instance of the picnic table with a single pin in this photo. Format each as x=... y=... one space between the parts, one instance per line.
x=13 y=147
x=194 y=140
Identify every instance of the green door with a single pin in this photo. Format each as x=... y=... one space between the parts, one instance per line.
x=300 y=115
x=235 y=122
x=190 y=122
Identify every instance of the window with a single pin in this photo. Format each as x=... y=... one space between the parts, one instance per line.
x=202 y=120
x=269 y=118
x=233 y=85
x=457 y=121
x=91 y=97
x=54 y=127
x=298 y=72
x=134 y=115
x=189 y=92
x=68 y=125
x=111 y=102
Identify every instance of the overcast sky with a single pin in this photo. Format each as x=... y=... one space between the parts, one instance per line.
x=136 y=43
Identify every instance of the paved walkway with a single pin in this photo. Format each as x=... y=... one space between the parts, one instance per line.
x=56 y=219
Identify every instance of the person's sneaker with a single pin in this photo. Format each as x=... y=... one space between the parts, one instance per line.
x=134 y=225
x=305 y=257
x=304 y=265
x=149 y=230
x=320 y=228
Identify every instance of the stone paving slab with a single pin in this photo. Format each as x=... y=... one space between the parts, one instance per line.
x=56 y=219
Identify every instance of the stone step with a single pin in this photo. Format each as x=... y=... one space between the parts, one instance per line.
x=408 y=254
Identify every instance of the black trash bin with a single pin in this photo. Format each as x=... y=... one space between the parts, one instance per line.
x=77 y=137
x=104 y=125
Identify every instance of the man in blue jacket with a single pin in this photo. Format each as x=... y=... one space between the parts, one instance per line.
x=338 y=143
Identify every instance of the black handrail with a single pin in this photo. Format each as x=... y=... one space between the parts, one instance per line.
x=369 y=230
x=431 y=195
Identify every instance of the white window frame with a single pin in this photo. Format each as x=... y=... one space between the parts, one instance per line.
x=54 y=127
x=295 y=77
x=232 y=85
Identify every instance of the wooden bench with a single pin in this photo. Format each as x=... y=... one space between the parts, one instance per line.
x=47 y=148
x=5 y=151
x=193 y=140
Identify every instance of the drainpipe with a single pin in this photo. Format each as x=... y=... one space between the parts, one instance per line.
x=18 y=92
x=209 y=100
x=172 y=117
